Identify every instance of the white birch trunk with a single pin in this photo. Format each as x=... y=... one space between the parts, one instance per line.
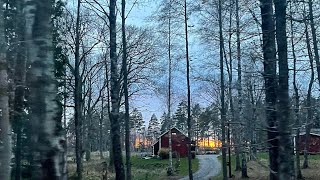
x=47 y=136
x=5 y=130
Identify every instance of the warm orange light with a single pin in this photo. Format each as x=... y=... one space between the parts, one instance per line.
x=142 y=142
x=205 y=143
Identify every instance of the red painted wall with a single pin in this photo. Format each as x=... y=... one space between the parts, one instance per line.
x=179 y=142
x=314 y=144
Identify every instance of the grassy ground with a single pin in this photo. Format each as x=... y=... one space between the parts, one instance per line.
x=220 y=175
x=258 y=170
x=156 y=169
x=142 y=169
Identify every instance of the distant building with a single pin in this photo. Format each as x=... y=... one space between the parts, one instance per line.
x=179 y=143
x=314 y=141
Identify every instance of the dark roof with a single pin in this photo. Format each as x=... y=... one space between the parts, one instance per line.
x=171 y=130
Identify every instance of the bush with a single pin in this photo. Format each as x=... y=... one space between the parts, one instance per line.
x=163 y=153
x=169 y=171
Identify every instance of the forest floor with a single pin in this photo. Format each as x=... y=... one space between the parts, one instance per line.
x=142 y=169
x=258 y=170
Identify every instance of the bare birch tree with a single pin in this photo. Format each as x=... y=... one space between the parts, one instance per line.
x=47 y=136
x=5 y=131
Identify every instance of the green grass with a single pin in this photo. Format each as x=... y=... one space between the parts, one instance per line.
x=312 y=157
x=142 y=169
x=233 y=165
x=156 y=169
x=183 y=169
x=140 y=163
x=263 y=155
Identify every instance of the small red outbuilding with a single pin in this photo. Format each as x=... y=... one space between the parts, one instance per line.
x=179 y=142
x=314 y=143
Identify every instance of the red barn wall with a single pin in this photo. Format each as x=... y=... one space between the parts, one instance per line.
x=314 y=144
x=179 y=143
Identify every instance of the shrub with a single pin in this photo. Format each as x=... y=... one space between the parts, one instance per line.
x=164 y=153
x=169 y=171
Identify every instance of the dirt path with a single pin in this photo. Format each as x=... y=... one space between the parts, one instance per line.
x=209 y=166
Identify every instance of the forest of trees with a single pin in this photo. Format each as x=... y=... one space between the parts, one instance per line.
x=73 y=76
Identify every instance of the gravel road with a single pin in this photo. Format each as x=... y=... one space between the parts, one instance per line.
x=209 y=166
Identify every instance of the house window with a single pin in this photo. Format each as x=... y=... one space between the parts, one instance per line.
x=174 y=133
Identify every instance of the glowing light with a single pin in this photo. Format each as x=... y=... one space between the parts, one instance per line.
x=142 y=143
x=209 y=143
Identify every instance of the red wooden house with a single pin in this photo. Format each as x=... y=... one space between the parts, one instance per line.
x=314 y=143
x=179 y=143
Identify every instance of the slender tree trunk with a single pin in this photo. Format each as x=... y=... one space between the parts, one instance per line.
x=269 y=55
x=314 y=38
x=5 y=132
x=169 y=89
x=230 y=75
x=296 y=97
x=20 y=79
x=101 y=119
x=125 y=87
x=253 y=134
x=188 y=91
x=47 y=136
x=10 y=25
x=64 y=155
x=309 y=94
x=285 y=149
x=89 y=123
x=78 y=97
x=223 y=112
x=243 y=161
x=109 y=141
x=19 y=108
x=115 y=92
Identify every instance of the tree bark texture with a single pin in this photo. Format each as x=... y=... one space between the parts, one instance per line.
x=47 y=136
x=89 y=123
x=126 y=93
x=115 y=92
x=20 y=83
x=78 y=98
x=101 y=120
x=188 y=91
x=222 y=86
x=269 y=55
x=169 y=88
x=5 y=129
x=285 y=149
x=239 y=78
x=296 y=102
